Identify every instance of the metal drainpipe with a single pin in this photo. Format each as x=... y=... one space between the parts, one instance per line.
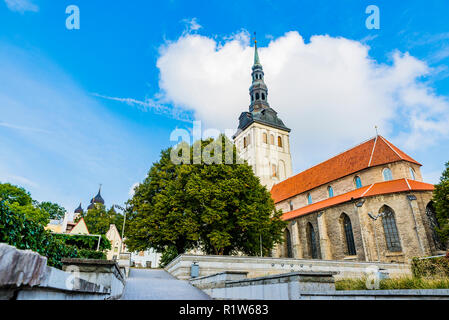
x=357 y=205
x=410 y=198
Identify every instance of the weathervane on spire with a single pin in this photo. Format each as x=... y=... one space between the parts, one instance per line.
x=255 y=38
x=377 y=133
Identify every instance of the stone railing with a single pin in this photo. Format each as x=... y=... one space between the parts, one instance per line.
x=259 y=267
x=288 y=286
x=24 y=275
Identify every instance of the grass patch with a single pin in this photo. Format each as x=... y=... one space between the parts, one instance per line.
x=395 y=284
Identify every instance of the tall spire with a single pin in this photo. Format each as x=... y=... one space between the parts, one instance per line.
x=258 y=90
x=256 y=53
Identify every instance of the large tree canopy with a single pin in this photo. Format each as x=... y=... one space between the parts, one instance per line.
x=19 y=200
x=98 y=219
x=219 y=208
x=55 y=210
x=441 y=200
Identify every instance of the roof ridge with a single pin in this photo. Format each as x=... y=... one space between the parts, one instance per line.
x=349 y=149
x=372 y=152
x=392 y=148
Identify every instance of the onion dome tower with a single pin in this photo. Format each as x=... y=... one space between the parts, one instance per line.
x=98 y=199
x=79 y=209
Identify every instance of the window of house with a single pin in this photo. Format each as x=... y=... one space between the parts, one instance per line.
x=330 y=191
x=390 y=230
x=412 y=173
x=274 y=170
x=349 y=235
x=265 y=138
x=271 y=139
x=311 y=239
x=309 y=199
x=358 y=182
x=291 y=205
x=280 y=141
x=245 y=143
x=388 y=176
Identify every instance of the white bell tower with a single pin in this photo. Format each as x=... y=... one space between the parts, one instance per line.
x=262 y=138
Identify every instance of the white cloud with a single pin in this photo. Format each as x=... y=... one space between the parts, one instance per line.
x=329 y=91
x=21 y=6
x=191 y=25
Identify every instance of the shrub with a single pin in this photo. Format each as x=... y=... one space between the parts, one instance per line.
x=433 y=267
x=167 y=256
x=85 y=242
x=24 y=234
x=395 y=284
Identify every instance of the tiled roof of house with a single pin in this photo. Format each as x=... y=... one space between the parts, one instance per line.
x=394 y=186
x=374 y=152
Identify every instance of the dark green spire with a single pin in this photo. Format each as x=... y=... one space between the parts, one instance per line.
x=256 y=53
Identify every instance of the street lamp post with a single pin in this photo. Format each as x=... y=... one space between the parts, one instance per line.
x=124 y=221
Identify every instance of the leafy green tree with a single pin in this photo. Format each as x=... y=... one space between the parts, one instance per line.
x=54 y=210
x=220 y=208
x=20 y=200
x=15 y=194
x=98 y=219
x=441 y=201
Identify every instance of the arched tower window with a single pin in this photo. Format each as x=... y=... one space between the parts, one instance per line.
x=263 y=96
x=288 y=242
x=349 y=235
x=265 y=137
x=358 y=182
x=388 y=175
x=280 y=141
x=330 y=191
x=274 y=170
x=257 y=96
x=390 y=230
x=311 y=239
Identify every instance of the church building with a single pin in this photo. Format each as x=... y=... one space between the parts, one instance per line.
x=369 y=203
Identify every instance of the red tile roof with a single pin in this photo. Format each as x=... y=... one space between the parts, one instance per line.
x=374 y=152
x=394 y=186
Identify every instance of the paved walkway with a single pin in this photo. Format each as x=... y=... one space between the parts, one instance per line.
x=150 y=284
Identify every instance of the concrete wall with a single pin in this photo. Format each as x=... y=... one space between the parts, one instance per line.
x=24 y=275
x=290 y=286
x=260 y=267
x=299 y=286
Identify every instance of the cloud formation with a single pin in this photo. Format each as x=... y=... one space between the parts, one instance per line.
x=21 y=6
x=328 y=90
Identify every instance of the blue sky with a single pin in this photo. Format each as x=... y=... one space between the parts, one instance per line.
x=96 y=105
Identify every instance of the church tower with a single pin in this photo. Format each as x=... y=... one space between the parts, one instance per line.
x=262 y=139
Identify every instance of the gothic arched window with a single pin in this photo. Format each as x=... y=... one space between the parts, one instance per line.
x=288 y=242
x=349 y=235
x=433 y=223
x=412 y=173
x=330 y=191
x=309 y=199
x=311 y=239
x=280 y=141
x=390 y=230
x=358 y=182
x=388 y=175
x=291 y=205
